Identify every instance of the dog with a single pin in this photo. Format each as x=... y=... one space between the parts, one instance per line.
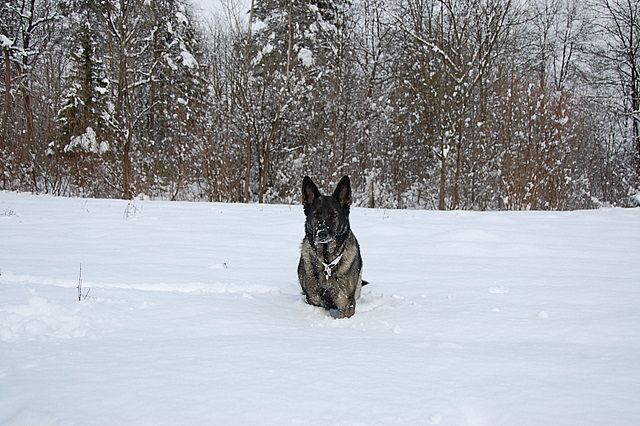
x=330 y=267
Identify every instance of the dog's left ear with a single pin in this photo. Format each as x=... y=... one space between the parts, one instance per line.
x=309 y=193
x=343 y=192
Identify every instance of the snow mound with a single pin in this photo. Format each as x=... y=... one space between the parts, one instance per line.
x=188 y=59
x=87 y=142
x=306 y=57
x=5 y=41
x=40 y=320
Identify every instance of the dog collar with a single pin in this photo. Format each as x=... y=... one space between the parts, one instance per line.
x=328 y=267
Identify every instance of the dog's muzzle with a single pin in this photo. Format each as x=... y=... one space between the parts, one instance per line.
x=322 y=235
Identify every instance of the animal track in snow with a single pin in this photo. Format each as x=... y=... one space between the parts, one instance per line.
x=40 y=320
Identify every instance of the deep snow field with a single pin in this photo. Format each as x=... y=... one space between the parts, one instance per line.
x=194 y=317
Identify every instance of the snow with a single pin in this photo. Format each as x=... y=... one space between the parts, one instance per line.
x=5 y=42
x=170 y=62
x=187 y=59
x=40 y=319
x=193 y=316
x=306 y=57
x=87 y=142
x=182 y=19
x=268 y=48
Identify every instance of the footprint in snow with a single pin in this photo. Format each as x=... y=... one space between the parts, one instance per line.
x=372 y=301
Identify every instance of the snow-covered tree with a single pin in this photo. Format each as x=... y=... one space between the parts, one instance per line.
x=175 y=96
x=471 y=104
x=27 y=32
x=458 y=41
x=294 y=53
x=617 y=48
x=87 y=126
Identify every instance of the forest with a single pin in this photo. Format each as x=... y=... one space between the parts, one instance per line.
x=429 y=104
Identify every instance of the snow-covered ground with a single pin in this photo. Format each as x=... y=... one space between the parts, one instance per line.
x=193 y=316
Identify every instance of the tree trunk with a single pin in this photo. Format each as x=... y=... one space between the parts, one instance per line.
x=635 y=105
x=289 y=37
x=264 y=171
x=28 y=112
x=123 y=106
x=458 y=174
x=247 y=185
x=126 y=169
x=635 y=111
x=443 y=179
x=634 y=84
x=26 y=87
x=8 y=102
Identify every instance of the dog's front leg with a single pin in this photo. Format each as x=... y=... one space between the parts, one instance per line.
x=314 y=299
x=312 y=295
x=346 y=306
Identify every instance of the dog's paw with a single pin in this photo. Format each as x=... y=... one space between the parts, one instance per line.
x=343 y=313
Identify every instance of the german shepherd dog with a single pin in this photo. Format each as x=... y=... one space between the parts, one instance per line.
x=330 y=268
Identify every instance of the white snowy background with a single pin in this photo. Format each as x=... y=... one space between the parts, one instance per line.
x=193 y=316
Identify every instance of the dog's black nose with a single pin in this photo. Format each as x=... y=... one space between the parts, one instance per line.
x=322 y=234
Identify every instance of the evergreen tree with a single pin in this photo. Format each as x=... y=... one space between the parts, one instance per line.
x=86 y=123
x=87 y=100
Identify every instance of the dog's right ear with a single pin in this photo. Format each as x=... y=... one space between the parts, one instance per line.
x=309 y=193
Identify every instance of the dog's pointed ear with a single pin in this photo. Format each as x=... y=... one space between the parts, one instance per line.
x=343 y=192
x=309 y=193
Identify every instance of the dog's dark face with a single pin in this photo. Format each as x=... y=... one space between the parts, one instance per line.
x=327 y=216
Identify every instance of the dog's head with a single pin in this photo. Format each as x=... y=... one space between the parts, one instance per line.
x=327 y=216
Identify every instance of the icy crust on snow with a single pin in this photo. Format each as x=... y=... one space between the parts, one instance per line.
x=39 y=319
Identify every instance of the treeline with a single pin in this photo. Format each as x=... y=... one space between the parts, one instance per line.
x=448 y=104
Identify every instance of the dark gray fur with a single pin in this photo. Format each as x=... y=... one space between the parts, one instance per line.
x=327 y=237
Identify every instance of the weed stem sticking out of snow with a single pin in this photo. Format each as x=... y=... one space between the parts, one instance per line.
x=79 y=287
